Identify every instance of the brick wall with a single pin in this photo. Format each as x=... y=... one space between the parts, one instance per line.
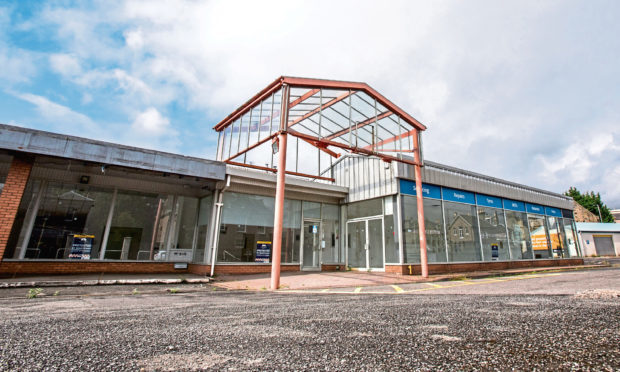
x=481 y=266
x=239 y=269
x=23 y=268
x=11 y=196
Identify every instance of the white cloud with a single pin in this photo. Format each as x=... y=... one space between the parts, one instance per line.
x=151 y=123
x=65 y=64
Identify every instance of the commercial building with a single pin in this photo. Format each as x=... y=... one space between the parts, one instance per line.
x=343 y=196
x=599 y=239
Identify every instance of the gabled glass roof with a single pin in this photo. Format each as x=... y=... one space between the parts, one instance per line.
x=324 y=118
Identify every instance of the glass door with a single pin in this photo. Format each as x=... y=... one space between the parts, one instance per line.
x=356 y=246
x=311 y=245
x=365 y=244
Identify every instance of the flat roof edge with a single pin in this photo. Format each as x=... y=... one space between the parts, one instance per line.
x=38 y=142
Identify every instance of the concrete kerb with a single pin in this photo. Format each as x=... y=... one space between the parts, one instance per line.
x=95 y=282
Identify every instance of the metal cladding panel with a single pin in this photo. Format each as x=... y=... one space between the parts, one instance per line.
x=366 y=177
x=45 y=143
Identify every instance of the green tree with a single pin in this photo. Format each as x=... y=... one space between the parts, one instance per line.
x=592 y=202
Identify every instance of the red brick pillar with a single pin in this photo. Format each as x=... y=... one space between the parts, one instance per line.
x=11 y=196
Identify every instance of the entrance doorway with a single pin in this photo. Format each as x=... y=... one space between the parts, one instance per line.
x=365 y=244
x=311 y=245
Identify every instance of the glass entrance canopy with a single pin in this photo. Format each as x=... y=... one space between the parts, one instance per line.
x=325 y=118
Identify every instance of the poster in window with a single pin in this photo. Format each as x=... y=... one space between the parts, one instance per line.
x=263 y=251
x=81 y=247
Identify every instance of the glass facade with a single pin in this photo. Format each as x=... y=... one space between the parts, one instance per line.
x=482 y=227
x=247 y=222
x=518 y=235
x=462 y=232
x=538 y=234
x=433 y=223
x=493 y=234
x=77 y=221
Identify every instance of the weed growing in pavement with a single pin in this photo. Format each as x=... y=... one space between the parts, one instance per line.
x=56 y=293
x=460 y=278
x=173 y=290
x=34 y=292
x=183 y=280
x=214 y=289
x=263 y=288
x=135 y=292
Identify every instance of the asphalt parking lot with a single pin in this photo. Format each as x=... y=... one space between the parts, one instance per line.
x=553 y=321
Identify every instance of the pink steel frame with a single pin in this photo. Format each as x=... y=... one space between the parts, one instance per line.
x=322 y=143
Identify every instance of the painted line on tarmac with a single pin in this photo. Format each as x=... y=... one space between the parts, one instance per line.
x=398 y=289
x=324 y=290
x=434 y=285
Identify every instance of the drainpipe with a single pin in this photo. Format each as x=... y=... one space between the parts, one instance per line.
x=218 y=213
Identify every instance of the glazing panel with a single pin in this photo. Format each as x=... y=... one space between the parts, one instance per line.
x=132 y=235
x=330 y=233
x=291 y=231
x=375 y=243
x=356 y=244
x=312 y=210
x=462 y=230
x=204 y=217
x=571 y=238
x=538 y=234
x=66 y=211
x=493 y=233
x=556 y=237
x=520 y=243
x=433 y=223
x=372 y=207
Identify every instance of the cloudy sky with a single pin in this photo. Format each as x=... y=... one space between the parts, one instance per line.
x=528 y=91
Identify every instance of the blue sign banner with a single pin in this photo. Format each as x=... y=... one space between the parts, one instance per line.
x=458 y=196
x=513 y=205
x=488 y=201
x=555 y=212
x=534 y=208
x=428 y=191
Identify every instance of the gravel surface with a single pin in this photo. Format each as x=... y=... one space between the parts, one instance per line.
x=207 y=330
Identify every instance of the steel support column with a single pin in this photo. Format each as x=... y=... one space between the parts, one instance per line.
x=420 y=203
x=279 y=213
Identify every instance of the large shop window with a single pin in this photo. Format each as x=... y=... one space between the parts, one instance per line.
x=70 y=222
x=519 y=238
x=493 y=234
x=433 y=222
x=462 y=232
x=538 y=233
x=246 y=221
